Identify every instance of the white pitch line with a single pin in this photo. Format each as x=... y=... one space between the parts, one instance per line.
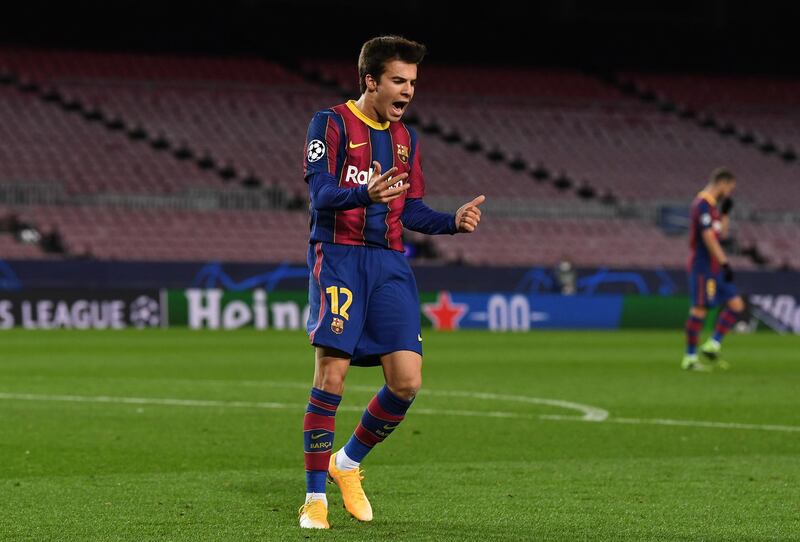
x=681 y=423
x=717 y=425
x=588 y=413
x=166 y=401
x=424 y=411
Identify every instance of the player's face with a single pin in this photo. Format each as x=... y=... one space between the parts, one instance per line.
x=395 y=89
x=727 y=188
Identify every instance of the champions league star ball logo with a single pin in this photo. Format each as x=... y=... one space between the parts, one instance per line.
x=316 y=150
x=145 y=312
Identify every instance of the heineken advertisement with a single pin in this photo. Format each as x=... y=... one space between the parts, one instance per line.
x=219 y=309
x=444 y=310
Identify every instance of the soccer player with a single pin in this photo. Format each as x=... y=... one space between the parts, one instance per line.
x=364 y=175
x=710 y=273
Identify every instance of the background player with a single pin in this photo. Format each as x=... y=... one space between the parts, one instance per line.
x=710 y=273
x=364 y=306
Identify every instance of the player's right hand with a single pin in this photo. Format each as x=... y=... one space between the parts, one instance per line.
x=380 y=186
x=727 y=272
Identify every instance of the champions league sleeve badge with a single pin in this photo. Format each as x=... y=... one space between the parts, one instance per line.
x=316 y=150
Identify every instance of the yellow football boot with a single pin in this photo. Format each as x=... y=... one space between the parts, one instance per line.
x=349 y=482
x=314 y=515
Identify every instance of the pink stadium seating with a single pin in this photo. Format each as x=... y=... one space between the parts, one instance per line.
x=483 y=82
x=593 y=133
x=779 y=243
x=10 y=249
x=66 y=66
x=171 y=235
x=769 y=107
x=258 y=129
x=253 y=114
x=40 y=143
x=177 y=235
x=589 y=242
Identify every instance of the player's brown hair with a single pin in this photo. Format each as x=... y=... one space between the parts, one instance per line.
x=722 y=174
x=376 y=52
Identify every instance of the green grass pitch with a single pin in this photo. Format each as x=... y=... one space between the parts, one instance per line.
x=180 y=435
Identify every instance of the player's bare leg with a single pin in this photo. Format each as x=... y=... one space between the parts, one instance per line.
x=330 y=370
x=402 y=371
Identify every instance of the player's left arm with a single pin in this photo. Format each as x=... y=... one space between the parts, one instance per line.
x=419 y=217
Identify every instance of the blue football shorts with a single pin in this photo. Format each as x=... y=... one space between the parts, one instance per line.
x=708 y=289
x=362 y=301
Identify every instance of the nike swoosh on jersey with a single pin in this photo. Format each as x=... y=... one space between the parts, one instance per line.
x=357 y=145
x=315 y=437
x=419 y=338
x=388 y=427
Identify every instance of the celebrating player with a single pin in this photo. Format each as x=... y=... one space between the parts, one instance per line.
x=710 y=273
x=363 y=169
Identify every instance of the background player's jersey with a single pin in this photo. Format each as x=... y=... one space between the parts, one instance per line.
x=343 y=142
x=703 y=215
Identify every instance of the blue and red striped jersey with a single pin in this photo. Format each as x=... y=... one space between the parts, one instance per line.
x=703 y=215
x=343 y=142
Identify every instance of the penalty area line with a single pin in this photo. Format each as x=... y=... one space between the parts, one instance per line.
x=166 y=401
x=210 y=403
x=589 y=413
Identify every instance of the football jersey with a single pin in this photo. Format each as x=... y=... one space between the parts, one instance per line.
x=703 y=215
x=343 y=142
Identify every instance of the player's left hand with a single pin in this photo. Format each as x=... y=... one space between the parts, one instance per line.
x=727 y=272
x=468 y=215
x=725 y=206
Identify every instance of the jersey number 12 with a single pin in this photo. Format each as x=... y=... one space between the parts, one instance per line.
x=334 y=292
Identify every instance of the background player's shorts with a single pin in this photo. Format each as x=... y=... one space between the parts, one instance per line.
x=708 y=289
x=363 y=301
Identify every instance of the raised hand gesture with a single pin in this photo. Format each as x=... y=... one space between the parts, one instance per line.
x=380 y=186
x=468 y=215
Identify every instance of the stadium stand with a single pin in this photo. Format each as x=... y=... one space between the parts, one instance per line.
x=12 y=249
x=39 y=142
x=575 y=123
x=767 y=108
x=94 y=124
x=592 y=242
x=779 y=243
x=110 y=233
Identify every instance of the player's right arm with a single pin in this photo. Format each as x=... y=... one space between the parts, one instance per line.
x=326 y=194
x=709 y=237
x=712 y=243
x=323 y=151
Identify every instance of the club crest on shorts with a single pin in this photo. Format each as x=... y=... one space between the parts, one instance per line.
x=337 y=326
x=402 y=153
